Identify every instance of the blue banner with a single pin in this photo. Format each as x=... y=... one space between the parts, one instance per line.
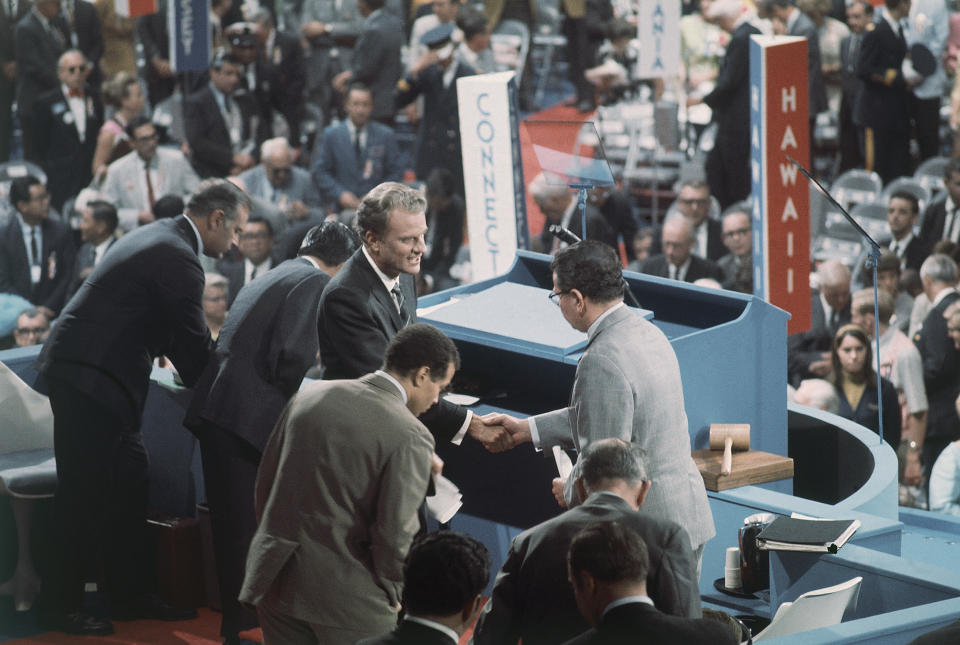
x=188 y=23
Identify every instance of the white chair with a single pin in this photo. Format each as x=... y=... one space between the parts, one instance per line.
x=812 y=610
x=28 y=471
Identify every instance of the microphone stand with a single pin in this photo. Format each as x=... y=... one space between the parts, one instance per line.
x=872 y=261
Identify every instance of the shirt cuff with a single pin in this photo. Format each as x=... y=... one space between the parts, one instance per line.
x=534 y=435
x=457 y=438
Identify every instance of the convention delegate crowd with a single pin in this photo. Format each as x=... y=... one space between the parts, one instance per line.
x=249 y=226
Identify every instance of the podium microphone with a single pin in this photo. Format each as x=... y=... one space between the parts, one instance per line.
x=563 y=234
x=566 y=235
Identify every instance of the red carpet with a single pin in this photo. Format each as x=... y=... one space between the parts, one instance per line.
x=203 y=630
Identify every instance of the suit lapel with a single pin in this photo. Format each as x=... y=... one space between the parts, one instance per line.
x=378 y=291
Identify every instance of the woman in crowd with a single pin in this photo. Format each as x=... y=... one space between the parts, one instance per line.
x=856 y=385
x=123 y=93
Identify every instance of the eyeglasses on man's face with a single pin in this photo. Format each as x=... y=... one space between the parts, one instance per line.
x=555 y=296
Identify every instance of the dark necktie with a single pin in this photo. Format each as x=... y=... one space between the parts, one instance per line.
x=398 y=298
x=34 y=246
x=900 y=31
x=357 y=147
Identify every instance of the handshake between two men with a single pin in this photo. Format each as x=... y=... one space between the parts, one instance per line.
x=498 y=432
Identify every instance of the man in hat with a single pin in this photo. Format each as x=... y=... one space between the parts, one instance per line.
x=434 y=77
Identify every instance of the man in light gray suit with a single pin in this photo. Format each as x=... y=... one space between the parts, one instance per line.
x=627 y=386
x=340 y=482
x=276 y=180
x=138 y=179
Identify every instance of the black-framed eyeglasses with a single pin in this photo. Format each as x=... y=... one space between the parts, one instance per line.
x=554 y=296
x=35 y=331
x=737 y=233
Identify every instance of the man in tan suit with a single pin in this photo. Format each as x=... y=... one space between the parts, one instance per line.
x=338 y=490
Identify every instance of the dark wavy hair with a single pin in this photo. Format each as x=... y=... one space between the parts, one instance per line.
x=592 y=268
x=856 y=331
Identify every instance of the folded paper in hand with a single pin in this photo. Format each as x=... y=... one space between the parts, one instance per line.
x=447 y=501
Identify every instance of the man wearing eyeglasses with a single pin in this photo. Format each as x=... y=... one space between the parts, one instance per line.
x=737 y=265
x=256 y=249
x=33 y=327
x=703 y=212
x=138 y=179
x=67 y=120
x=627 y=386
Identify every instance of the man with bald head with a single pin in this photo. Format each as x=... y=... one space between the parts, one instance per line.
x=67 y=120
x=677 y=261
x=277 y=180
x=737 y=265
x=808 y=353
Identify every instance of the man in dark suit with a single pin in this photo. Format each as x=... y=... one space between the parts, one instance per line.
x=434 y=77
x=445 y=218
x=152 y=35
x=258 y=82
x=142 y=301
x=37 y=253
x=374 y=296
x=608 y=565
x=616 y=206
x=443 y=580
x=220 y=128
x=728 y=164
x=859 y=15
x=797 y=23
x=98 y=223
x=883 y=105
x=902 y=211
x=280 y=54
x=41 y=36
x=737 y=265
x=808 y=353
x=264 y=349
x=67 y=122
x=677 y=261
x=532 y=599
x=941 y=359
x=941 y=220
x=8 y=68
x=376 y=58
x=356 y=154
x=695 y=203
